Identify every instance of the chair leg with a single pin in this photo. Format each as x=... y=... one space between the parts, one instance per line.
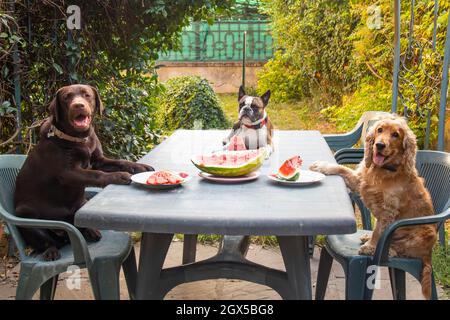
x=323 y=274
x=130 y=271
x=355 y=280
x=189 y=248
x=48 y=289
x=434 y=295
x=29 y=283
x=398 y=283
x=106 y=276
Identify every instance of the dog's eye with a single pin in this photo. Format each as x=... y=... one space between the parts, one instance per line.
x=395 y=135
x=380 y=130
x=87 y=95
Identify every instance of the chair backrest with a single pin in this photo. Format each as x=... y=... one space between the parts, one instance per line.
x=434 y=167
x=10 y=166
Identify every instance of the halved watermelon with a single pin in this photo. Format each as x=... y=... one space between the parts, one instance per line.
x=290 y=169
x=236 y=144
x=230 y=163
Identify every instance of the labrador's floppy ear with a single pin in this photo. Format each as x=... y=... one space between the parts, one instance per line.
x=98 y=102
x=241 y=93
x=55 y=108
x=265 y=97
x=368 y=146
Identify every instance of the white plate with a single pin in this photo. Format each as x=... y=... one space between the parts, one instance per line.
x=249 y=177
x=306 y=177
x=141 y=179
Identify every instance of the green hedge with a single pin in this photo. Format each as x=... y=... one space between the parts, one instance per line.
x=189 y=102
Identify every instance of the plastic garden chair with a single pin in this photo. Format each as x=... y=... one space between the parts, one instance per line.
x=434 y=166
x=102 y=259
x=358 y=133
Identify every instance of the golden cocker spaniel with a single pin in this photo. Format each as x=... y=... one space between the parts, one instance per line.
x=391 y=188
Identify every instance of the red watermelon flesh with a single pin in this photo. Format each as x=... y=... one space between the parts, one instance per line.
x=290 y=167
x=236 y=144
x=228 y=159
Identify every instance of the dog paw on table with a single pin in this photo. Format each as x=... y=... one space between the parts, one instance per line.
x=118 y=178
x=322 y=166
x=133 y=168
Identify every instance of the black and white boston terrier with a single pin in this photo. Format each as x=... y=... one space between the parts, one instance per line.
x=253 y=125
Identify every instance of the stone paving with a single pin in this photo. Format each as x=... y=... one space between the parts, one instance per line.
x=222 y=289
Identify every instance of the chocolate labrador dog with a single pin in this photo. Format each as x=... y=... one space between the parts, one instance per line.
x=67 y=159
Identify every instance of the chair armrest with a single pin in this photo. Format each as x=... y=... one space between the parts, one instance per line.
x=382 y=250
x=365 y=212
x=345 y=140
x=80 y=250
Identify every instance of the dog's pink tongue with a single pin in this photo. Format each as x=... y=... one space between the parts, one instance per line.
x=378 y=159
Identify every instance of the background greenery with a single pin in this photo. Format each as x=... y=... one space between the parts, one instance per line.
x=189 y=102
x=108 y=52
x=334 y=56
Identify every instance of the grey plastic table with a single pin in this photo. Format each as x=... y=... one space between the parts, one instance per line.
x=201 y=207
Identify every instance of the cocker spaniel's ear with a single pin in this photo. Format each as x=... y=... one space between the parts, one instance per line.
x=55 y=108
x=98 y=101
x=368 y=146
x=410 y=150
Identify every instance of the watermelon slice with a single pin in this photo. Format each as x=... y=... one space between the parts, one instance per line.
x=290 y=170
x=230 y=163
x=236 y=144
x=164 y=177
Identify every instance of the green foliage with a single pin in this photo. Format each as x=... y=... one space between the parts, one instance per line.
x=115 y=50
x=127 y=129
x=316 y=55
x=354 y=105
x=338 y=53
x=285 y=81
x=189 y=102
x=441 y=267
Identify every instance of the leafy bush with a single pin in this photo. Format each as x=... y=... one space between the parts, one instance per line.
x=285 y=81
x=189 y=102
x=333 y=52
x=354 y=105
x=114 y=50
x=317 y=56
x=128 y=129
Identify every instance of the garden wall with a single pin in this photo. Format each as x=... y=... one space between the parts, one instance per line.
x=224 y=77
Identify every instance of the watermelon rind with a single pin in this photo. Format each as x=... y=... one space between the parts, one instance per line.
x=233 y=171
x=293 y=177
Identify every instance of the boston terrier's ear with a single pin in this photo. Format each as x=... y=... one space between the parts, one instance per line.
x=265 y=97
x=241 y=93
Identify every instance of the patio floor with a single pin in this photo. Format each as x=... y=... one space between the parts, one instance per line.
x=222 y=288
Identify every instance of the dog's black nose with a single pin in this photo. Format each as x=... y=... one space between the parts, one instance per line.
x=380 y=146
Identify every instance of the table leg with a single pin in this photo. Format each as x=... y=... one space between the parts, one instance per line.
x=154 y=247
x=189 y=248
x=294 y=250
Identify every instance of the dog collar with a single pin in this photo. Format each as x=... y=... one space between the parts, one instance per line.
x=61 y=135
x=390 y=168
x=258 y=124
